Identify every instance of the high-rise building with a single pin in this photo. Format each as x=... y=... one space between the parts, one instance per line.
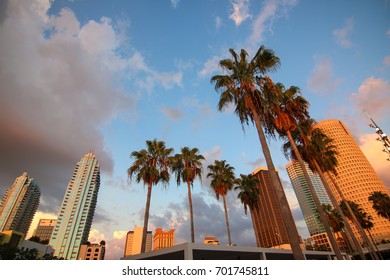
x=77 y=210
x=19 y=204
x=305 y=199
x=44 y=229
x=134 y=240
x=163 y=239
x=268 y=223
x=356 y=177
x=92 y=251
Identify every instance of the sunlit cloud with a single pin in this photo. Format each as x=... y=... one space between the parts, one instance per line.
x=341 y=35
x=175 y=3
x=172 y=113
x=218 y=22
x=240 y=11
x=386 y=60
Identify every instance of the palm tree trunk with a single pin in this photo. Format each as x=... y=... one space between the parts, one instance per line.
x=288 y=219
x=354 y=219
x=191 y=212
x=317 y=202
x=355 y=242
x=146 y=218
x=227 y=220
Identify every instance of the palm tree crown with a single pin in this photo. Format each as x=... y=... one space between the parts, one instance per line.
x=381 y=204
x=248 y=191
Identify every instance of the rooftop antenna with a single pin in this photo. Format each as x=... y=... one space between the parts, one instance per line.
x=382 y=136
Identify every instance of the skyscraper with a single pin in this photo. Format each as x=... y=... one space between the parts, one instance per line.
x=267 y=220
x=44 y=229
x=134 y=240
x=78 y=207
x=163 y=239
x=355 y=176
x=19 y=204
x=305 y=199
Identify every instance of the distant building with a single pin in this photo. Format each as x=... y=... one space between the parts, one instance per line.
x=304 y=196
x=134 y=240
x=356 y=177
x=268 y=223
x=210 y=239
x=77 y=210
x=44 y=229
x=92 y=251
x=163 y=239
x=19 y=204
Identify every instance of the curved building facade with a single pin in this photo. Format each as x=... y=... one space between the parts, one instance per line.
x=356 y=177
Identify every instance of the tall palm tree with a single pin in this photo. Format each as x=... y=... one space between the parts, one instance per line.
x=381 y=204
x=248 y=191
x=222 y=181
x=289 y=109
x=242 y=86
x=248 y=194
x=318 y=151
x=150 y=166
x=187 y=166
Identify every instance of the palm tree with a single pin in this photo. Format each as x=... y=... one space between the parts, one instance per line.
x=187 y=166
x=242 y=86
x=289 y=109
x=151 y=166
x=381 y=204
x=222 y=181
x=248 y=191
x=318 y=151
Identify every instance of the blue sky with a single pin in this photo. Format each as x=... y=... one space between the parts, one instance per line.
x=109 y=75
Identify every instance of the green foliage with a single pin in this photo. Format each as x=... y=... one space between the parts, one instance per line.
x=249 y=193
x=381 y=204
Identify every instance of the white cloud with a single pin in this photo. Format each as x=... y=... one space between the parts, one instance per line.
x=321 y=79
x=388 y=32
x=240 y=11
x=210 y=66
x=341 y=35
x=172 y=113
x=218 y=22
x=175 y=3
x=373 y=96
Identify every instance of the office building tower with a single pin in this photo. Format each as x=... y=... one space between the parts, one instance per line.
x=19 y=205
x=92 y=251
x=44 y=229
x=305 y=199
x=163 y=239
x=134 y=240
x=268 y=224
x=78 y=207
x=355 y=177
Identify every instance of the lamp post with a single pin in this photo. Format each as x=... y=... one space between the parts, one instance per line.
x=382 y=136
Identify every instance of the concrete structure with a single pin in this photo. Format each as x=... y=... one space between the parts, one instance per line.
x=41 y=248
x=92 y=252
x=12 y=237
x=305 y=199
x=267 y=220
x=77 y=210
x=211 y=240
x=134 y=240
x=196 y=251
x=19 y=204
x=44 y=229
x=355 y=176
x=163 y=239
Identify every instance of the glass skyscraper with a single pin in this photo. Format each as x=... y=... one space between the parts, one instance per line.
x=305 y=199
x=78 y=207
x=19 y=204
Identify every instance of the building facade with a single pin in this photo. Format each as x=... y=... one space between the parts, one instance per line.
x=44 y=229
x=19 y=204
x=305 y=199
x=267 y=220
x=163 y=239
x=134 y=240
x=77 y=210
x=92 y=251
x=355 y=177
